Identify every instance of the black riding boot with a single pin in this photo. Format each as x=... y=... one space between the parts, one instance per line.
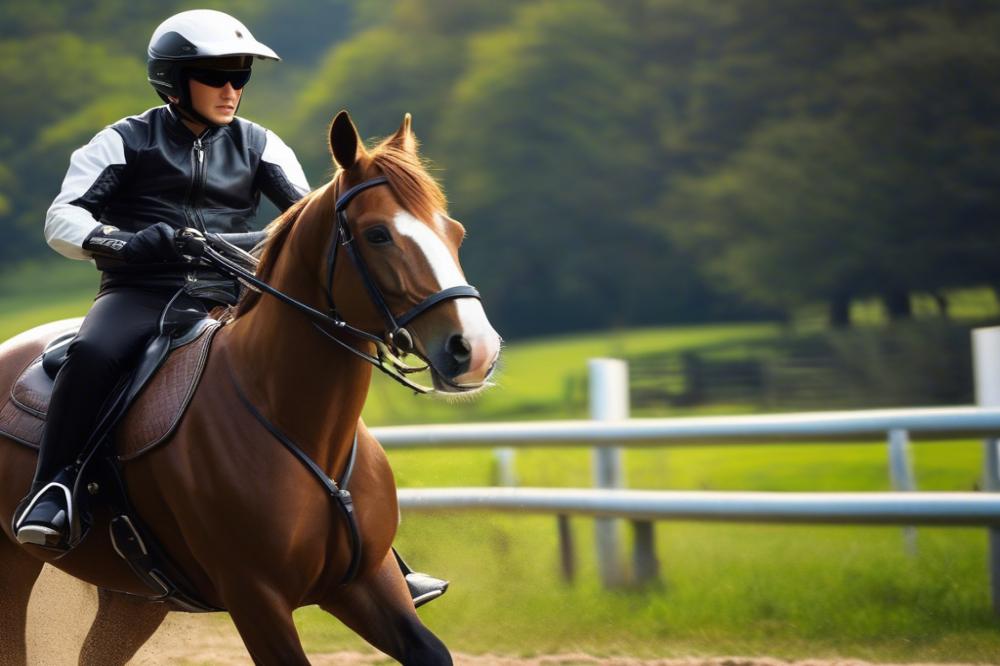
x=423 y=588
x=45 y=516
x=112 y=336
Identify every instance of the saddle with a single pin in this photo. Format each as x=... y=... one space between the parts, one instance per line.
x=145 y=411
x=161 y=390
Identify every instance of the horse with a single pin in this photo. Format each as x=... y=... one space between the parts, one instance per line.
x=245 y=521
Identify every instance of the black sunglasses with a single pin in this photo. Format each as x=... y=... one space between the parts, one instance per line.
x=217 y=78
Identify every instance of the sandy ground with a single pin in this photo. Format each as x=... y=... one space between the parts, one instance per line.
x=62 y=609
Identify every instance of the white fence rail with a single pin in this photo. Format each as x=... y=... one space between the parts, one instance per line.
x=950 y=509
x=610 y=428
x=933 y=423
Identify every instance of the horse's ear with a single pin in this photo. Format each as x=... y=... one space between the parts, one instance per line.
x=345 y=142
x=404 y=138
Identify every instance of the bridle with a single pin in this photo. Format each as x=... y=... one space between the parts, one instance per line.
x=396 y=340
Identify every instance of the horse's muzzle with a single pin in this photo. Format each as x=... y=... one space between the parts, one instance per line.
x=461 y=364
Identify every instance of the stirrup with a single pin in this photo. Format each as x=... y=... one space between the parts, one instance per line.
x=423 y=588
x=47 y=517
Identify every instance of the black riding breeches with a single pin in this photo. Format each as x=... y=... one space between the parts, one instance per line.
x=116 y=330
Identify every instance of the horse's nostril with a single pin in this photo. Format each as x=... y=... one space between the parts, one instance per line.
x=459 y=348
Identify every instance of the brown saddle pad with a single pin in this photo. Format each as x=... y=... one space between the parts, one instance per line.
x=149 y=421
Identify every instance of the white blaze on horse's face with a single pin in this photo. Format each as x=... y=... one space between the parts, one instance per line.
x=474 y=348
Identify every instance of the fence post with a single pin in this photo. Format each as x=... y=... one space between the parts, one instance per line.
x=503 y=461
x=608 y=402
x=986 y=361
x=901 y=475
x=567 y=553
x=644 y=562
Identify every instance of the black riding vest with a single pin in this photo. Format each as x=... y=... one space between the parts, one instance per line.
x=212 y=182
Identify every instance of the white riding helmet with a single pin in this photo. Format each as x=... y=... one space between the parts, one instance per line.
x=198 y=34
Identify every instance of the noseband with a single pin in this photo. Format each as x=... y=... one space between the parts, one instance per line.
x=396 y=340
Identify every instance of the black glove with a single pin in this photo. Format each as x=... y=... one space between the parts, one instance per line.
x=154 y=244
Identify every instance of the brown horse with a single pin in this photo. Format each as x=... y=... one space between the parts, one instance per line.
x=246 y=522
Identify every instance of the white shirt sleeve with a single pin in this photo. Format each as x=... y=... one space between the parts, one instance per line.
x=68 y=224
x=278 y=153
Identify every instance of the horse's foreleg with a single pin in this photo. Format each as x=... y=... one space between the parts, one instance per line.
x=123 y=625
x=379 y=609
x=264 y=621
x=18 y=573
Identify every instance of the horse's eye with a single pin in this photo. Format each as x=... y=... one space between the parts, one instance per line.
x=378 y=236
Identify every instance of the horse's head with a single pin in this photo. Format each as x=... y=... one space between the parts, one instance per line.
x=397 y=244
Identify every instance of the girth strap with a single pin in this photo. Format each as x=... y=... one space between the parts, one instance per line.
x=339 y=493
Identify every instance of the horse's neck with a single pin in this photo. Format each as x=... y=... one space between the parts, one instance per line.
x=306 y=384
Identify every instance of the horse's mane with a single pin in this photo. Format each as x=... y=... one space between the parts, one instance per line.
x=415 y=189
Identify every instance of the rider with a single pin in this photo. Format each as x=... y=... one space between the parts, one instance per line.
x=188 y=164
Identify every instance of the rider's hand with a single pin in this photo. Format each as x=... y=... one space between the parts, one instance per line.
x=190 y=242
x=154 y=244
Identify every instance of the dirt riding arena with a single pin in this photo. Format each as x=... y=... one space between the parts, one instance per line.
x=62 y=608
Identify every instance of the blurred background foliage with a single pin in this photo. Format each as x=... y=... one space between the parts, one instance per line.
x=616 y=163
x=622 y=165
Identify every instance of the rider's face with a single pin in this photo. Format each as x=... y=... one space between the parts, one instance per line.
x=216 y=104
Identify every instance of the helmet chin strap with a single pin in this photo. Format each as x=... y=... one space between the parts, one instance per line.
x=187 y=112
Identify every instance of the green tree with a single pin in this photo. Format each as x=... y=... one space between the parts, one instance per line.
x=881 y=185
x=544 y=167
x=69 y=89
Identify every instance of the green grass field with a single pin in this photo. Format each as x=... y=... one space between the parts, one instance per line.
x=785 y=591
